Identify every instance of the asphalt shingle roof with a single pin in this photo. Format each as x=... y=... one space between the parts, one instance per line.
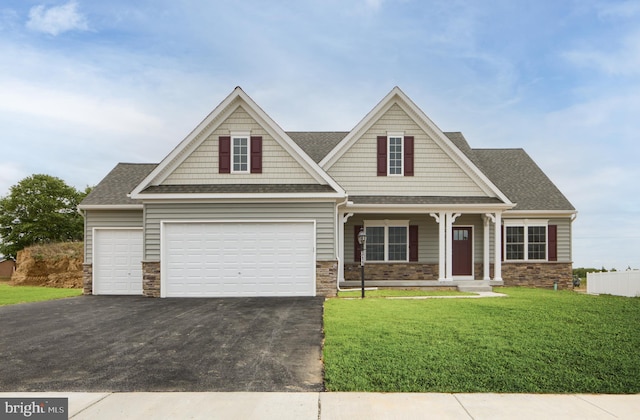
x=122 y=179
x=317 y=144
x=511 y=170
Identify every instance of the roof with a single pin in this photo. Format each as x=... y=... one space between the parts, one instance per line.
x=317 y=144
x=511 y=170
x=521 y=179
x=515 y=174
x=115 y=187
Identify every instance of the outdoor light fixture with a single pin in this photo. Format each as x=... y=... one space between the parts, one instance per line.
x=362 y=240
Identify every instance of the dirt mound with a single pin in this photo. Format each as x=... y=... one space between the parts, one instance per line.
x=52 y=265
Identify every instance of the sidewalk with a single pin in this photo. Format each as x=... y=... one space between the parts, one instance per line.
x=334 y=405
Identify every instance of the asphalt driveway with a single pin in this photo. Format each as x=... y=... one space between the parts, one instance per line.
x=101 y=343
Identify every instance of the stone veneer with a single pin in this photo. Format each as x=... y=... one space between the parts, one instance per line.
x=151 y=278
x=87 y=279
x=326 y=278
x=396 y=271
x=543 y=274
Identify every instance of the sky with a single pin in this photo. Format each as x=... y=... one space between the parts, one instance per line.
x=85 y=84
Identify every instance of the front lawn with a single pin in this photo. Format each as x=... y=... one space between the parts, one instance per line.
x=21 y=294
x=533 y=341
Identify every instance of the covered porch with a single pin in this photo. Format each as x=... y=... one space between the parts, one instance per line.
x=418 y=245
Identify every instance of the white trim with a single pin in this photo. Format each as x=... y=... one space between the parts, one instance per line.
x=397 y=96
x=198 y=135
x=94 y=230
x=395 y=136
x=163 y=245
x=111 y=207
x=386 y=223
x=526 y=224
x=242 y=196
x=246 y=135
x=473 y=253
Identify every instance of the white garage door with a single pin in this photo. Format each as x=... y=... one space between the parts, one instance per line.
x=238 y=259
x=117 y=262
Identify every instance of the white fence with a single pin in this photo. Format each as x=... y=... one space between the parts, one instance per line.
x=619 y=283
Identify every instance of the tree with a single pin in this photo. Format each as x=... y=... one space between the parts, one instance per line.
x=39 y=209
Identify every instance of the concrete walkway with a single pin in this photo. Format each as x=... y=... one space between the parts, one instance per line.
x=334 y=405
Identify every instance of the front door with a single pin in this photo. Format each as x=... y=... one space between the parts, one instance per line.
x=462 y=251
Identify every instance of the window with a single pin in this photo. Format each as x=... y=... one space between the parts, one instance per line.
x=387 y=240
x=240 y=153
x=525 y=240
x=395 y=161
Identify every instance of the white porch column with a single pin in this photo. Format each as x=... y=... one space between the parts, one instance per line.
x=486 y=261
x=451 y=217
x=440 y=219
x=497 y=265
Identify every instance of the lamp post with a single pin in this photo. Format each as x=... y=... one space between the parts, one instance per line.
x=362 y=240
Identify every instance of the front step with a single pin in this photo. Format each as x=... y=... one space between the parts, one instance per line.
x=473 y=288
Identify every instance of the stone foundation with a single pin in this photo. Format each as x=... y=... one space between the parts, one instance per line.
x=151 y=278
x=87 y=279
x=326 y=278
x=396 y=271
x=543 y=274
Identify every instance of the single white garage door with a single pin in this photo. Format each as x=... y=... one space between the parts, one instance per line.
x=211 y=259
x=117 y=262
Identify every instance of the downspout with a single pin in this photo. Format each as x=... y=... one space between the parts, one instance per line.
x=337 y=241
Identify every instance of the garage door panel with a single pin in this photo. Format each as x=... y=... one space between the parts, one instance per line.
x=239 y=259
x=117 y=265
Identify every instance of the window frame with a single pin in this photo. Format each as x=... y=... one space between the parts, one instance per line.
x=526 y=224
x=398 y=135
x=239 y=136
x=386 y=224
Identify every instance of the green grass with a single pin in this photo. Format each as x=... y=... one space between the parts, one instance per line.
x=10 y=295
x=533 y=341
x=400 y=293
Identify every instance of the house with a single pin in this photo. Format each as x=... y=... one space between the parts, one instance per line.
x=242 y=208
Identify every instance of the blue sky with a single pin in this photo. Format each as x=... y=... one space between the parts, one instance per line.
x=86 y=84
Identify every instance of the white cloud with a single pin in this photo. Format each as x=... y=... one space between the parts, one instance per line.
x=96 y=112
x=57 y=19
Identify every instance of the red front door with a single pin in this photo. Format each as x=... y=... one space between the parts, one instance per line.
x=462 y=251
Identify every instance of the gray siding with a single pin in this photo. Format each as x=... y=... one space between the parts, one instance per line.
x=564 y=238
x=427 y=234
x=321 y=212
x=435 y=173
x=107 y=218
x=201 y=167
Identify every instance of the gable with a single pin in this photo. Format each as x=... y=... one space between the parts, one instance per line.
x=436 y=173
x=201 y=167
x=203 y=157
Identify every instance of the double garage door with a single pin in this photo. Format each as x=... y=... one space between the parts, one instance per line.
x=212 y=259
